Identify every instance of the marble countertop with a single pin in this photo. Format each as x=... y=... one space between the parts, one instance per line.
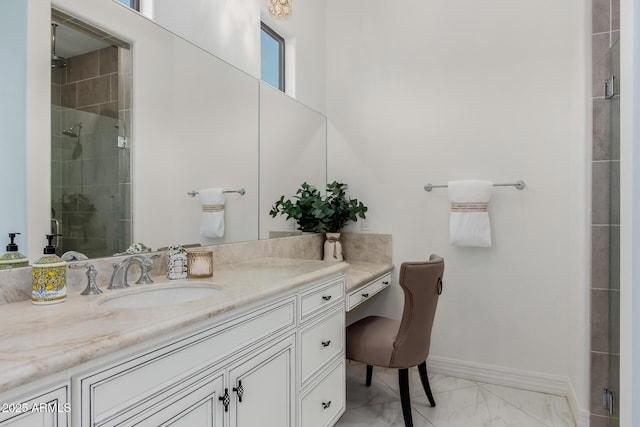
x=37 y=341
x=361 y=272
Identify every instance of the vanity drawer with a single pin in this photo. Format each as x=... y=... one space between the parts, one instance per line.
x=321 y=341
x=317 y=300
x=140 y=382
x=362 y=294
x=325 y=402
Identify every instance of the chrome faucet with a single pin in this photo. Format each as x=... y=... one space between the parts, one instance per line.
x=119 y=276
x=92 y=286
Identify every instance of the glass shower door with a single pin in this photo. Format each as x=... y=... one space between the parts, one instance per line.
x=90 y=187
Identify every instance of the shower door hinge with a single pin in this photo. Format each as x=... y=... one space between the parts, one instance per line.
x=122 y=142
x=607 y=400
x=610 y=87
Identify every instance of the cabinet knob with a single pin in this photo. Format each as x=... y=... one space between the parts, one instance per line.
x=385 y=283
x=325 y=405
x=225 y=399
x=239 y=390
x=365 y=295
x=326 y=297
x=326 y=343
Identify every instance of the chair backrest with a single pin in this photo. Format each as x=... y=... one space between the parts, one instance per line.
x=422 y=284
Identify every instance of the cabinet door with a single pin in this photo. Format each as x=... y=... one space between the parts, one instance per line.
x=136 y=384
x=262 y=387
x=196 y=405
x=50 y=409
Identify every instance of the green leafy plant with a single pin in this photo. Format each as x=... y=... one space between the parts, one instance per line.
x=314 y=213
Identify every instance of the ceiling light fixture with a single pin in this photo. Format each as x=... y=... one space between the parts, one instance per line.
x=281 y=8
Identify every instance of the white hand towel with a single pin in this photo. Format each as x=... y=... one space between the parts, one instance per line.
x=212 y=200
x=469 y=220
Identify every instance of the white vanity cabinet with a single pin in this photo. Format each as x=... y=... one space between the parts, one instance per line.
x=195 y=405
x=321 y=348
x=366 y=291
x=199 y=376
x=263 y=387
x=275 y=363
x=48 y=408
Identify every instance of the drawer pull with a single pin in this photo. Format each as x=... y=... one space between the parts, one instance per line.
x=326 y=297
x=225 y=400
x=365 y=295
x=239 y=390
x=325 y=405
x=326 y=343
x=385 y=283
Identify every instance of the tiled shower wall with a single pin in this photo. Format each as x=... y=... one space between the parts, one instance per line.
x=605 y=221
x=91 y=191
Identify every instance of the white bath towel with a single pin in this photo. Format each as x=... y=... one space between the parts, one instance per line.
x=469 y=220
x=212 y=200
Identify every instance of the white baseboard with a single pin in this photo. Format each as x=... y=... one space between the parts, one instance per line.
x=516 y=378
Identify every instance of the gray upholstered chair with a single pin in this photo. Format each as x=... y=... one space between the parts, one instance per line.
x=404 y=343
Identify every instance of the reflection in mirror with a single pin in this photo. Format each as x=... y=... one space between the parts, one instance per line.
x=203 y=134
x=292 y=151
x=90 y=157
x=196 y=126
x=227 y=29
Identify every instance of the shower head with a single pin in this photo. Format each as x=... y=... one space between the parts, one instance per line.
x=56 y=61
x=72 y=130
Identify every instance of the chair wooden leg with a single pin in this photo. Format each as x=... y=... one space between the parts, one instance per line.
x=405 y=399
x=422 y=368
x=369 y=374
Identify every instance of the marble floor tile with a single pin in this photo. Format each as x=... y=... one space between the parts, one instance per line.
x=552 y=410
x=382 y=415
x=460 y=403
x=473 y=407
x=358 y=394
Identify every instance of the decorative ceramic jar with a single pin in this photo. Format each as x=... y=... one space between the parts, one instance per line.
x=176 y=262
x=333 y=247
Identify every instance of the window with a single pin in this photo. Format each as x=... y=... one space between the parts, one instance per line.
x=271 y=57
x=133 y=4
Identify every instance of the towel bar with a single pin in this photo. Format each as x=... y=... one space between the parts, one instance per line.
x=240 y=191
x=520 y=184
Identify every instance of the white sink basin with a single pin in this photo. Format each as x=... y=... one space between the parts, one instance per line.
x=153 y=296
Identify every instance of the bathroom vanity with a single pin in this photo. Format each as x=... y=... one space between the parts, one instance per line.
x=259 y=343
x=267 y=348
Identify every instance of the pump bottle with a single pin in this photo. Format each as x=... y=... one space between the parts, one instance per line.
x=13 y=258
x=48 y=273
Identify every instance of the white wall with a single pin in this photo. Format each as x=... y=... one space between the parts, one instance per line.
x=13 y=42
x=436 y=91
x=629 y=400
x=25 y=117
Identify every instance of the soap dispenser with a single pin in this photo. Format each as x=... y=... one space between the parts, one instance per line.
x=13 y=258
x=48 y=274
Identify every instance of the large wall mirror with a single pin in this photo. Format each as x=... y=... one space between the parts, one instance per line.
x=173 y=119
x=292 y=151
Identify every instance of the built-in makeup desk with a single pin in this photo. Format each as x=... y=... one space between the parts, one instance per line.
x=364 y=280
